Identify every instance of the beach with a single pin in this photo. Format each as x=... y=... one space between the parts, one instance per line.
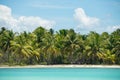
x=61 y=66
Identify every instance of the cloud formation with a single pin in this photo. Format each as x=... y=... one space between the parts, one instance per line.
x=21 y=23
x=113 y=28
x=84 y=20
x=50 y=6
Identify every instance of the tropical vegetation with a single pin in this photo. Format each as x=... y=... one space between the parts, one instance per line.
x=65 y=46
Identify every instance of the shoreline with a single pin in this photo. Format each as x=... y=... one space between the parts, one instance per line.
x=61 y=66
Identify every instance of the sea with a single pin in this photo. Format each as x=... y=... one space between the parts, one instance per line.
x=59 y=73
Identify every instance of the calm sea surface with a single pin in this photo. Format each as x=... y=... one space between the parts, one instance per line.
x=60 y=74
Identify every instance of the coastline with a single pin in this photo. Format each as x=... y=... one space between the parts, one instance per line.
x=61 y=66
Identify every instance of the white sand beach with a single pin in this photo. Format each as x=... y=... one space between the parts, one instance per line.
x=61 y=66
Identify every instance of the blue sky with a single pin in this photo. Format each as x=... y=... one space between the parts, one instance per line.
x=81 y=15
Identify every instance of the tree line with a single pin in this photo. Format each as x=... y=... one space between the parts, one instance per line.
x=62 y=47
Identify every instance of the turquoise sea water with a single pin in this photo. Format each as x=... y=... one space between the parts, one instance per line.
x=60 y=74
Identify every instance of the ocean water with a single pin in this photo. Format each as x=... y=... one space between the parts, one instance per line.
x=60 y=74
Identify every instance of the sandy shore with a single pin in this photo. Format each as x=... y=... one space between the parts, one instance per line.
x=62 y=66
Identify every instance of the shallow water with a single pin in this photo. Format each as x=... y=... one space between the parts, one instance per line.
x=60 y=74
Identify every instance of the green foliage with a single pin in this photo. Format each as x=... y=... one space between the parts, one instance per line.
x=63 y=47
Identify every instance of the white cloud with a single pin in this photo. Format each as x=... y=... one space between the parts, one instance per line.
x=84 y=20
x=50 y=6
x=22 y=23
x=112 y=28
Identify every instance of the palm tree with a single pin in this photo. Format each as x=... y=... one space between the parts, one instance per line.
x=115 y=36
x=60 y=39
x=22 y=48
x=92 y=47
x=81 y=55
x=40 y=33
x=6 y=37
x=72 y=45
x=104 y=39
x=49 y=48
x=107 y=57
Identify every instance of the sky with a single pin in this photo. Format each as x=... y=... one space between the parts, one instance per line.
x=81 y=15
